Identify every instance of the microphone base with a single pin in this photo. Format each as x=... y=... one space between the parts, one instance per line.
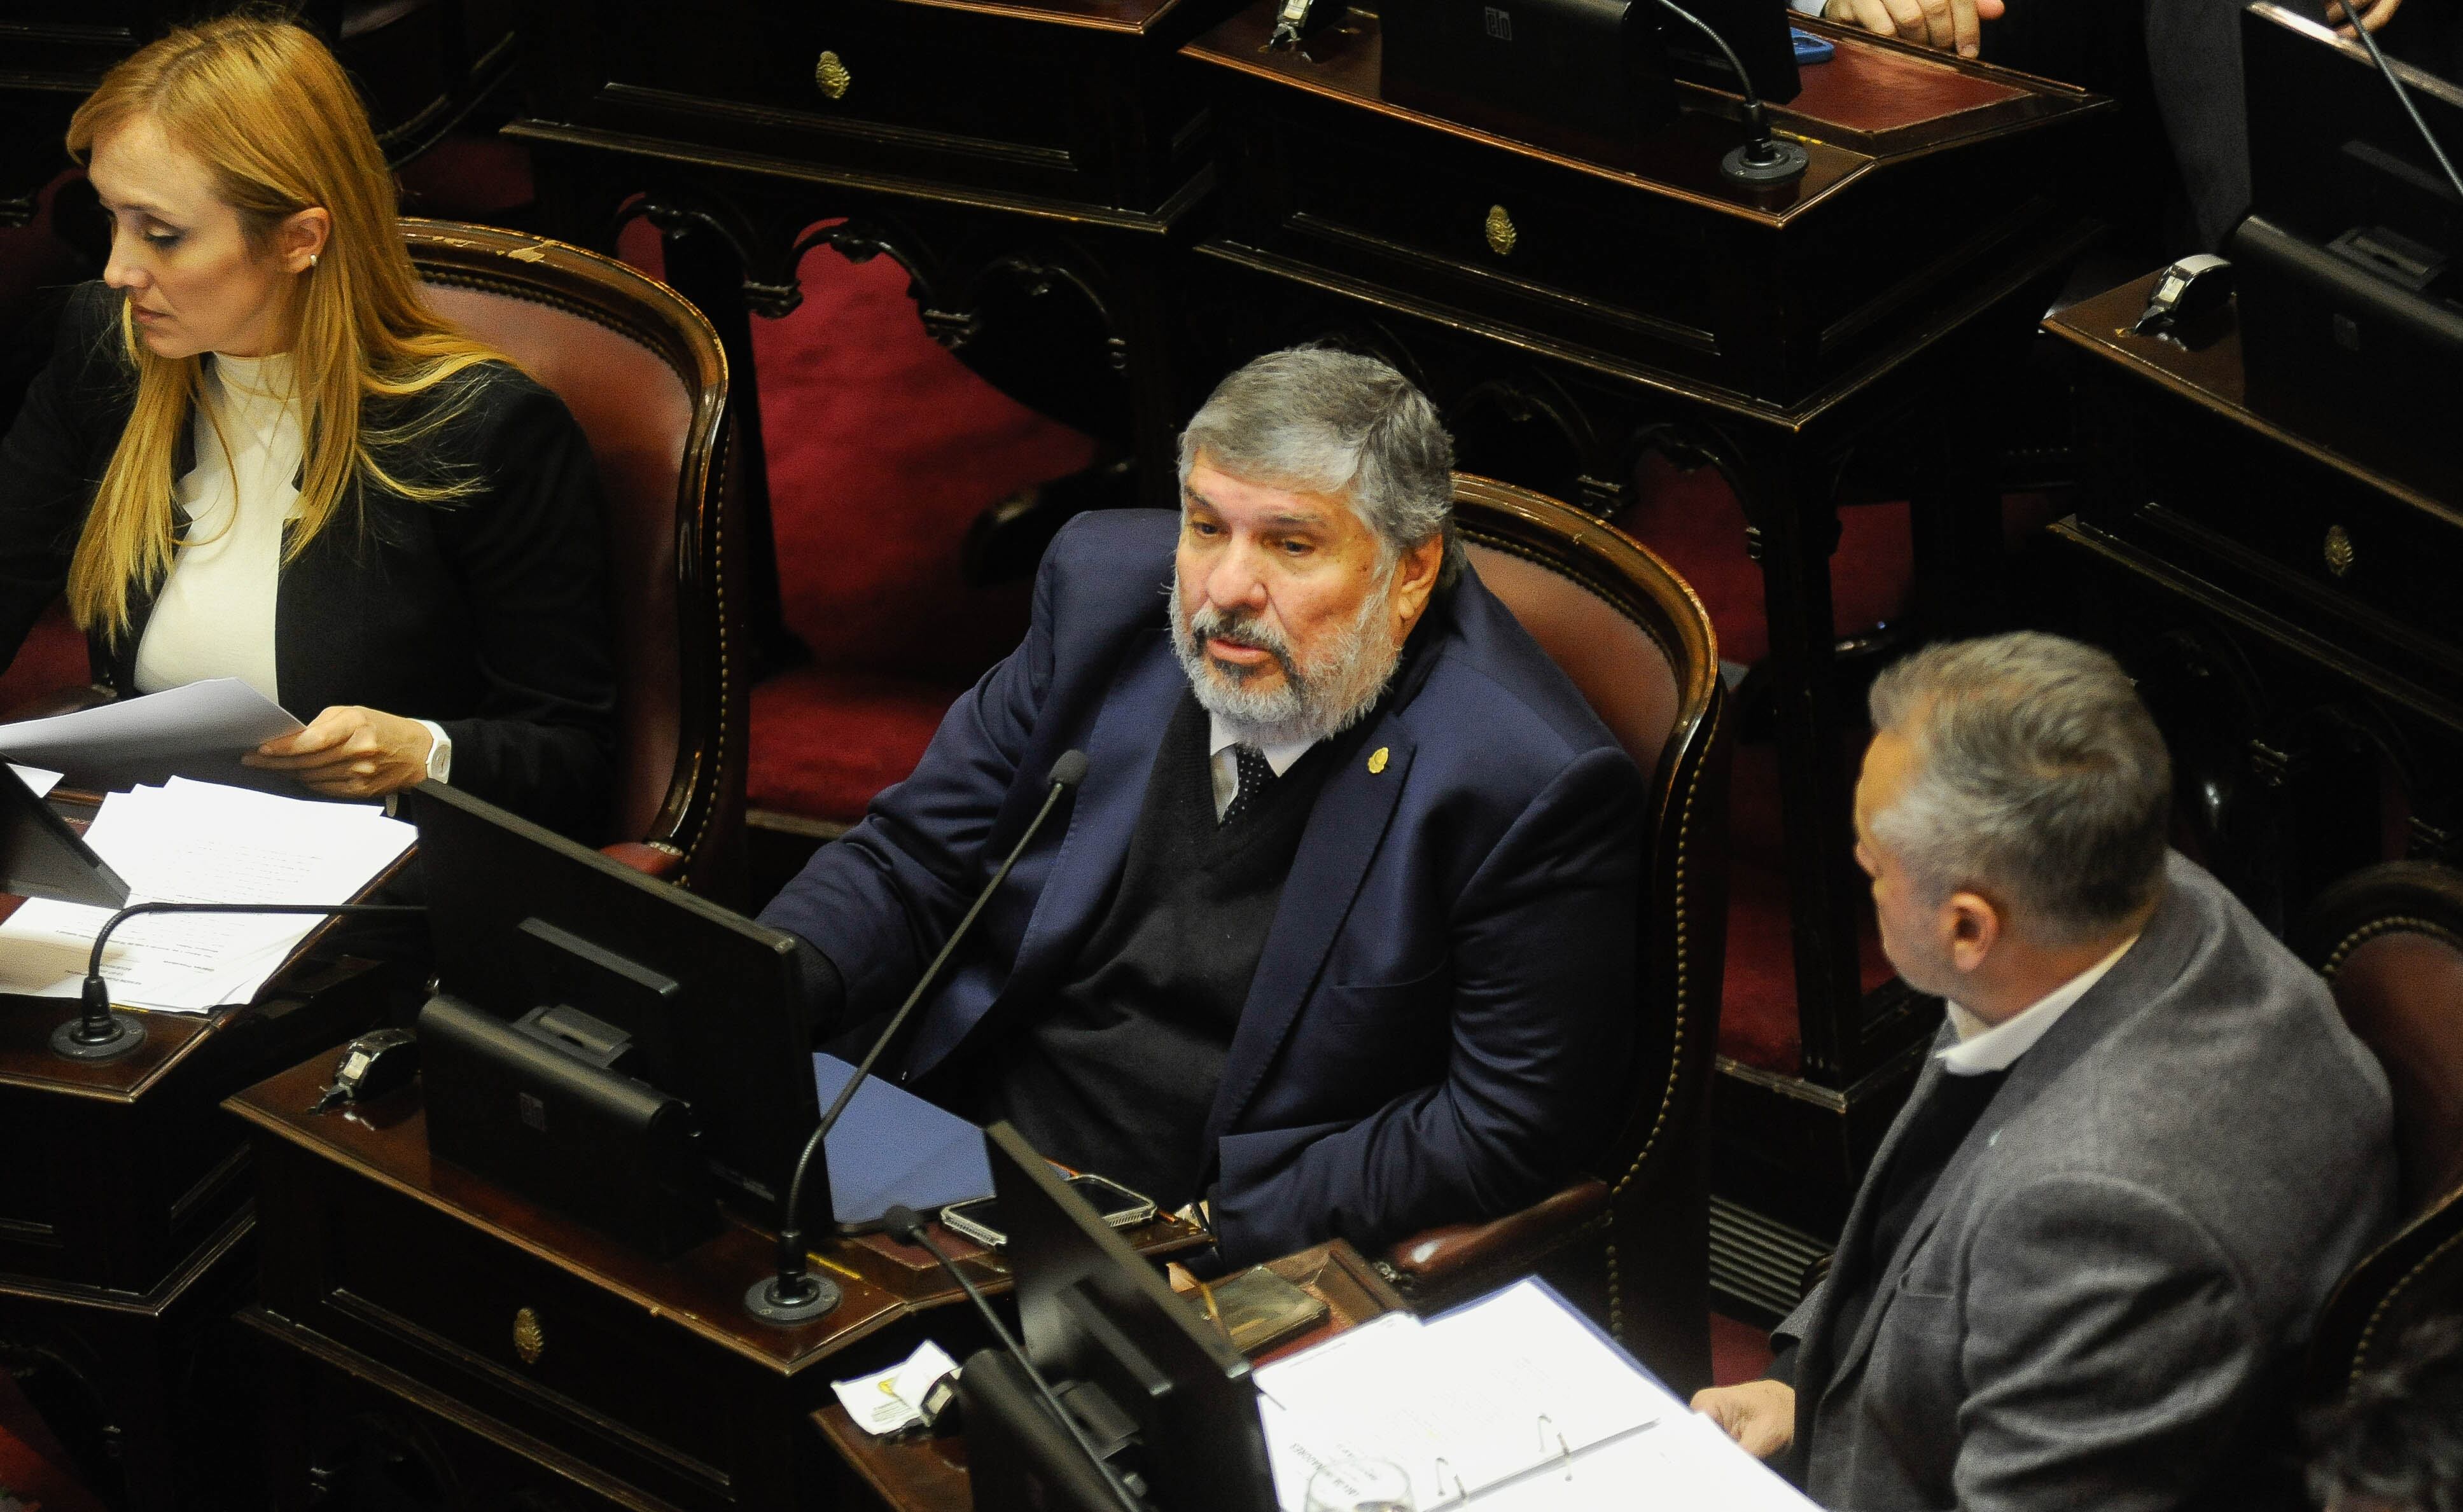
x=131 y=1034
x=762 y=1300
x=1788 y=160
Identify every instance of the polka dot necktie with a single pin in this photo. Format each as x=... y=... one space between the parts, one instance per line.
x=1254 y=774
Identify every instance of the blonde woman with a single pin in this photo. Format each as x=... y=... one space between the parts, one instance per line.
x=257 y=454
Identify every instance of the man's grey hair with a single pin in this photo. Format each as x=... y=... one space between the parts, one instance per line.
x=1315 y=419
x=2040 y=780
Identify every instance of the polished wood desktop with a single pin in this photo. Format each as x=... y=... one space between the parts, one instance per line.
x=2287 y=603
x=425 y=1324
x=127 y=1234
x=922 y=1472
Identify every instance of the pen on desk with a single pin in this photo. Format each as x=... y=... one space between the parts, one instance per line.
x=1213 y=1314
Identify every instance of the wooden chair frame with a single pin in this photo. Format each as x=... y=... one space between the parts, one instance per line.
x=2363 y=1319
x=1631 y=1240
x=697 y=837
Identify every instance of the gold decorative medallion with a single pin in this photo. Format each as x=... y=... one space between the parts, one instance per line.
x=832 y=76
x=1501 y=234
x=2338 y=551
x=529 y=1340
x=1377 y=760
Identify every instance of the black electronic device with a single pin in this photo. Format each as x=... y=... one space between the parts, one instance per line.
x=514 y=1103
x=1156 y=1390
x=2188 y=295
x=378 y=1062
x=2350 y=266
x=1115 y=1204
x=1589 y=77
x=40 y=856
x=615 y=999
x=792 y=1293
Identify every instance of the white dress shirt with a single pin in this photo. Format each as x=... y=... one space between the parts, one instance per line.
x=1225 y=768
x=1984 y=1048
x=214 y=617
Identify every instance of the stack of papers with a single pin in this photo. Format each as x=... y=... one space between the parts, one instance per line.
x=198 y=842
x=1511 y=1403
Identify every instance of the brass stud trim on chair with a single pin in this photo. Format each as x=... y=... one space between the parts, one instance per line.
x=831 y=76
x=529 y=1340
x=2339 y=553
x=1501 y=232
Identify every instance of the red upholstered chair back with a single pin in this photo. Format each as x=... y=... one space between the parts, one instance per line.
x=645 y=375
x=1637 y=642
x=2390 y=940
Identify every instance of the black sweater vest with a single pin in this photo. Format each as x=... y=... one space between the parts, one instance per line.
x=1118 y=1074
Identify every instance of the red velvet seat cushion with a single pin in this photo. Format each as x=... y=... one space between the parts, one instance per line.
x=882 y=448
x=823 y=742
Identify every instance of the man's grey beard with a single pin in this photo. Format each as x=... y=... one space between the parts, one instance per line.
x=1327 y=695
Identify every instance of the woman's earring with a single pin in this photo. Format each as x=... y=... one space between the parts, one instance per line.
x=312 y=259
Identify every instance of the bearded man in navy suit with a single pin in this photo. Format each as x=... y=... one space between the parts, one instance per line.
x=1337 y=938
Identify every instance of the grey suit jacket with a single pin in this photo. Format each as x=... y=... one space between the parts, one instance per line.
x=2087 y=1309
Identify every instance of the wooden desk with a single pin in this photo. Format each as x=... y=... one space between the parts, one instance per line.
x=1568 y=314
x=920 y=1473
x=126 y=1231
x=2289 y=610
x=429 y=1328
x=1032 y=165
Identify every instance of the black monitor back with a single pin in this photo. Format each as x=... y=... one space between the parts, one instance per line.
x=523 y=917
x=1096 y=1317
x=2349 y=266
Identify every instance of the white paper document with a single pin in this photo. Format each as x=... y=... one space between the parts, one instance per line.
x=198 y=842
x=1509 y=1404
x=219 y=715
x=37 y=781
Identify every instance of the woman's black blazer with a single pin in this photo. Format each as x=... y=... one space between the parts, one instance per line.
x=487 y=614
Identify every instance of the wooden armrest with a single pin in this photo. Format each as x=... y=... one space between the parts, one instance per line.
x=647 y=857
x=1436 y=1255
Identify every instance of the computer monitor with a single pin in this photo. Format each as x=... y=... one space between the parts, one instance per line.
x=2349 y=266
x=1159 y=1390
x=40 y=856
x=523 y=918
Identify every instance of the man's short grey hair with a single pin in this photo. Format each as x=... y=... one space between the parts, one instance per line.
x=1315 y=419
x=2040 y=780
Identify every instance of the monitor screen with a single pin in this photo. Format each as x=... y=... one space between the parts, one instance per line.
x=1135 y=1359
x=523 y=918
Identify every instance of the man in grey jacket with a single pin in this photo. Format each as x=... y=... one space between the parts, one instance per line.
x=2143 y=1149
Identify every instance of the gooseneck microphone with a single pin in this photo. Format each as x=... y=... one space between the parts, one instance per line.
x=906 y=1225
x=1763 y=159
x=794 y=1294
x=102 y=1033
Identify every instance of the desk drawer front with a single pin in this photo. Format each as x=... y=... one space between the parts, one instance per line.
x=579 y=1367
x=1447 y=224
x=910 y=91
x=2265 y=511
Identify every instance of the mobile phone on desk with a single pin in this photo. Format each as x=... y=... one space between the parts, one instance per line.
x=1115 y=1204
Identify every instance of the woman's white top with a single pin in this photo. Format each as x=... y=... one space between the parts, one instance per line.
x=214 y=617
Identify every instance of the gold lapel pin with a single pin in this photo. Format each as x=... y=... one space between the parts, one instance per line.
x=1377 y=760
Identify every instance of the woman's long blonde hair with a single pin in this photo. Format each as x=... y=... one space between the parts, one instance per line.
x=265 y=107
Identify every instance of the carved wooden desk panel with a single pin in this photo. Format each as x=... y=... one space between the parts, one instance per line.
x=514 y=1354
x=1569 y=314
x=125 y=1226
x=2290 y=609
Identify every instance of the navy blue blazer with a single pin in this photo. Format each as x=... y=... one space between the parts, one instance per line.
x=1444 y=1002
